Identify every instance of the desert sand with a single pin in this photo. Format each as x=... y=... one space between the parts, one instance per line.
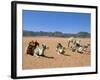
x=69 y=59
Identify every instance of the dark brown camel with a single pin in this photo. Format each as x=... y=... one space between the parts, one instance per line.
x=32 y=45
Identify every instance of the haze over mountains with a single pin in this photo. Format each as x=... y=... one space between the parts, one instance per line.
x=56 y=34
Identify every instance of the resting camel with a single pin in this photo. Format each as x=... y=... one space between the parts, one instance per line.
x=71 y=41
x=79 y=48
x=32 y=45
x=60 y=49
x=39 y=50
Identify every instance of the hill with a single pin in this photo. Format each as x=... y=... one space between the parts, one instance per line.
x=56 y=34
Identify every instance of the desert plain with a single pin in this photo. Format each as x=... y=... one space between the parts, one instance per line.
x=53 y=60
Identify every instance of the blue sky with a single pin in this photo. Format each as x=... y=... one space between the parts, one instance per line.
x=65 y=22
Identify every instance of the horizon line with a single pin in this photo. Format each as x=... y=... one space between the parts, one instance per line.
x=59 y=31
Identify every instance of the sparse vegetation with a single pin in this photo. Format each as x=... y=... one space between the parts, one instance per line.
x=56 y=34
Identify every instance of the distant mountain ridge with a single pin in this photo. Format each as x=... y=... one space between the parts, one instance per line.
x=56 y=34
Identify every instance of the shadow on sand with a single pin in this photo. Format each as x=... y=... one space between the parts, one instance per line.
x=65 y=54
x=47 y=57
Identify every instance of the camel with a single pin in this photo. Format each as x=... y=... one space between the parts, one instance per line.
x=32 y=45
x=39 y=50
x=60 y=49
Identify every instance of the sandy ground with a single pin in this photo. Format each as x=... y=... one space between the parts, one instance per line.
x=70 y=59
